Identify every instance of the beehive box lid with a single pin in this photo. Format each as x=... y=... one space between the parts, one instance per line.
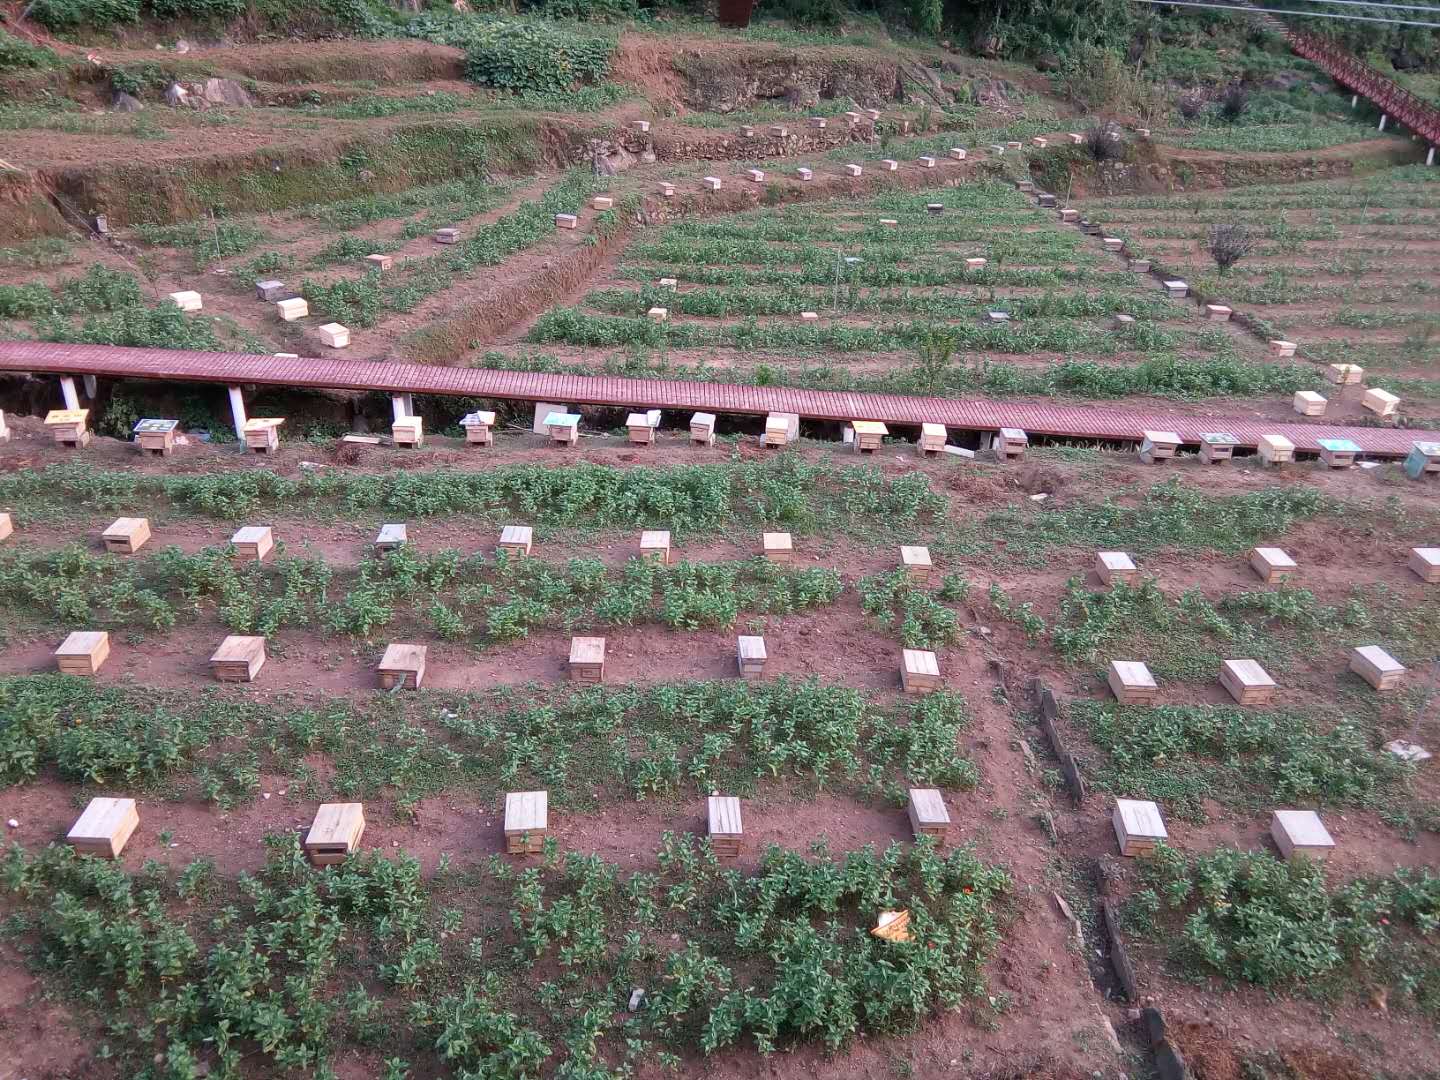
x=643 y=419
x=101 y=819
x=560 y=419
x=1116 y=560
x=921 y=662
x=1428 y=449
x=936 y=430
x=1219 y=438
x=587 y=650
x=1141 y=819
x=479 y=418
x=724 y=815
x=777 y=541
x=65 y=417
x=1428 y=555
x=527 y=811
x=1379 y=659
x=516 y=534
x=237 y=649
x=261 y=423
x=413 y=422
x=655 y=538
x=1339 y=446
x=915 y=556
x=1277 y=442
x=1275 y=557
x=1176 y=284
x=1304 y=828
x=1381 y=395
x=751 y=648
x=703 y=419
x=1133 y=674
x=336 y=824
x=928 y=805
x=250 y=534
x=400 y=657
x=82 y=643
x=394 y=533
x=155 y=427
x=1162 y=438
x=1310 y=397
x=1013 y=434
x=1248 y=673
x=780 y=421
x=870 y=427
x=122 y=528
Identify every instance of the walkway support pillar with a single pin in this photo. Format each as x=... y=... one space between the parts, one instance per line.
x=237 y=412
x=403 y=405
x=1354 y=100
x=90 y=387
x=1430 y=157
x=67 y=390
x=1383 y=118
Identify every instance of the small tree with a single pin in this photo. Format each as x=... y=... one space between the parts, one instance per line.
x=935 y=349
x=1101 y=144
x=1228 y=244
x=1234 y=102
x=1190 y=104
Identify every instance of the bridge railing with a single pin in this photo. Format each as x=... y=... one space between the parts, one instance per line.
x=1419 y=115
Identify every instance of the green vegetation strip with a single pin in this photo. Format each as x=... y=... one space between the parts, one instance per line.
x=499 y=972
x=1248 y=917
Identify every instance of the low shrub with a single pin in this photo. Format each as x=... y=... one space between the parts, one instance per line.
x=535 y=56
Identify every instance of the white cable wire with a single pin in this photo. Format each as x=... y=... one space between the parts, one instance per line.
x=1278 y=11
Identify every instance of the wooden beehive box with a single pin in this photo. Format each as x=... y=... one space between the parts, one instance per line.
x=187 y=300
x=1010 y=443
x=408 y=431
x=641 y=426
x=335 y=833
x=564 y=428
x=516 y=540
x=334 y=335
x=1423 y=458
x=1425 y=564
x=1177 y=290
x=1218 y=313
x=1381 y=402
x=751 y=655
x=779 y=131
x=527 y=818
x=83 y=653
x=933 y=438
x=916 y=561
x=925 y=161
x=1217 y=447
x=1122 y=321
x=587 y=659
x=1308 y=403
x=478 y=428
x=262 y=434
x=253 y=542
x=781 y=429
x=712 y=183
x=402 y=666
x=602 y=202
x=1338 y=453
x=1271 y=563
x=126 y=535
x=238 y=659
x=293 y=309
x=1281 y=349
x=755 y=176
x=1377 y=667
x=104 y=828
x=869 y=435
x=655 y=544
x=447 y=236
x=726 y=831
x=1138 y=826
x=270 y=291
x=379 y=262
x=1275 y=449
x=1158 y=446
x=958 y=153
x=7 y=526
x=67 y=426
x=1138 y=266
x=391 y=536
x=1113 y=566
x=1302 y=832
x=702 y=429
x=928 y=816
x=888 y=164
x=1344 y=374
x=1113 y=243
x=805 y=174
x=1131 y=683
x=1247 y=682
x=919 y=671
x=156 y=436
x=778 y=547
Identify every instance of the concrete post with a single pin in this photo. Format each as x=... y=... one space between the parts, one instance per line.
x=67 y=389
x=402 y=405
x=90 y=387
x=1430 y=157
x=1354 y=100
x=1383 y=118
x=237 y=411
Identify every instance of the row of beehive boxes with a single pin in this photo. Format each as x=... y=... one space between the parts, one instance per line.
x=1140 y=828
